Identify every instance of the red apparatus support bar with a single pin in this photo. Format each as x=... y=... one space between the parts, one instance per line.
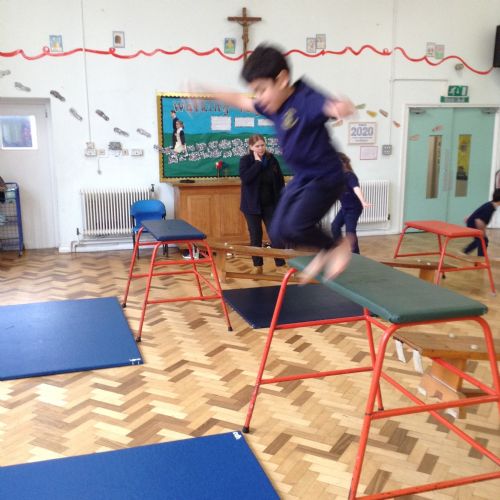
x=375 y=397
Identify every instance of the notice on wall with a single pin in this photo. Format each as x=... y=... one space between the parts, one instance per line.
x=220 y=122
x=244 y=121
x=362 y=132
x=368 y=152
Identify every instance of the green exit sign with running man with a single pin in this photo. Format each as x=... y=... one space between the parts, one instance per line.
x=458 y=90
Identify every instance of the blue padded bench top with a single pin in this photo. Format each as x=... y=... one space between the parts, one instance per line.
x=172 y=230
x=394 y=295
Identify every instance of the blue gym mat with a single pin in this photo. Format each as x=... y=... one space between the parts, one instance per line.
x=45 y=338
x=302 y=303
x=213 y=467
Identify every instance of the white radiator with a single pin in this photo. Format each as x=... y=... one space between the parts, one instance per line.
x=375 y=192
x=106 y=212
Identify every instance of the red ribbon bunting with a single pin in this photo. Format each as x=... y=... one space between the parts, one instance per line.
x=112 y=52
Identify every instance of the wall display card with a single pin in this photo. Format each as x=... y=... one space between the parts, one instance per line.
x=220 y=123
x=311 y=45
x=321 y=42
x=430 y=49
x=368 y=152
x=362 y=132
x=439 y=52
x=264 y=122
x=119 y=39
x=244 y=121
x=229 y=45
x=55 y=43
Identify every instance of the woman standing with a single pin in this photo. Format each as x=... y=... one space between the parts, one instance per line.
x=261 y=185
x=352 y=203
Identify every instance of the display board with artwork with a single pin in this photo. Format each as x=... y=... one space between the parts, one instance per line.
x=201 y=137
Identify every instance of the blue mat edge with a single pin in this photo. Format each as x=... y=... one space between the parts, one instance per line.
x=254 y=324
x=116 y=301
x=237 y=435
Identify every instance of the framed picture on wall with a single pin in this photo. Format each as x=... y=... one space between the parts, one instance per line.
x=119 y=39
x=321 y=42
x=55 y=43
x=362 y=132
x=229 y=45
x=311 y=45
x=215 y=136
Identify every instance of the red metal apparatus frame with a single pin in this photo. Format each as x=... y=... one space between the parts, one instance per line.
x=205 y=257
x=491 y=394
x=449 y=232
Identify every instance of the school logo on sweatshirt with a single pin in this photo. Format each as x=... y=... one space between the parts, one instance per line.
x=289 y=119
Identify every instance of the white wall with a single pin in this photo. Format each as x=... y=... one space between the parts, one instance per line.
x=126 y=89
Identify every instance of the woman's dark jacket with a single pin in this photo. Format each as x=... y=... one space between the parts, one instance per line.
x=252 y=174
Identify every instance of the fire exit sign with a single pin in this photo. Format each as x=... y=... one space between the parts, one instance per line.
x=458 y=90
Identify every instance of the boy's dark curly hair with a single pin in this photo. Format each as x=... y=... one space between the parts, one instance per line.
x=265 y=61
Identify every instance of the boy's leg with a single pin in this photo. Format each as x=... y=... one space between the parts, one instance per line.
x=300 y=210
x=338 y=259
x=254 y=223
x=303 y=205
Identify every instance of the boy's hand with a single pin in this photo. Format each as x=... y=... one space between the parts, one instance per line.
x=345 y=108
x=341 y=108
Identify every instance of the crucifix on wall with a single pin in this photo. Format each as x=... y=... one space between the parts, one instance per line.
x=245 y=21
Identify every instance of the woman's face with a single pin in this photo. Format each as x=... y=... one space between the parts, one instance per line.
x=258 y=147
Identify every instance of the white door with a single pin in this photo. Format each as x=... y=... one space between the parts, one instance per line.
x=25 y=159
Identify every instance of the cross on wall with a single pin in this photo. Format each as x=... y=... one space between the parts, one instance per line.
x=245 y=21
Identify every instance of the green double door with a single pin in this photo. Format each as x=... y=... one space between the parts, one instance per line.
x=449 y=158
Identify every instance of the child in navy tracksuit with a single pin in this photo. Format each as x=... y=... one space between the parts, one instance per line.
x=479 y=219
x=299 y=113
x=352 y=203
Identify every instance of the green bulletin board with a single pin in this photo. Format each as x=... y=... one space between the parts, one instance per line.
x=213 y=131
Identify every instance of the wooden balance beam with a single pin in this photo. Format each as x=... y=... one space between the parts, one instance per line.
x=438 y=381
x=426 y=269
x=222 y=249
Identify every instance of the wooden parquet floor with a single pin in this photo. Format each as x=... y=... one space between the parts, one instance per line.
x=197 y=379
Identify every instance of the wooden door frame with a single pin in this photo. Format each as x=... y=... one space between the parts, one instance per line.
x=495 y=156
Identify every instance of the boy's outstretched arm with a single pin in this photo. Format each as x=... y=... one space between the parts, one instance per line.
x=236 y=100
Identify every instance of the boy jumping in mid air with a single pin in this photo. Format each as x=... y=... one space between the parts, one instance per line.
x=299 y=113
x=479 y=219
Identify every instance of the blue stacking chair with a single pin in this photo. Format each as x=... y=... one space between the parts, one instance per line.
x=146 y=210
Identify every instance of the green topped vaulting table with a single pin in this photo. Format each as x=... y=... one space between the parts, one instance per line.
x=392 y=300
